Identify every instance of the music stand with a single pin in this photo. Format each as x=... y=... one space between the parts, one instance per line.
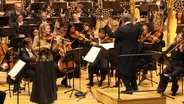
x=147 y=8
x=112 y=56
x=36 y=6
x=15 y=42
x=71 y=55
x=14 y=71
x=27 y=29
x=60 y=5
x=6 y=31
x=4 y=20
x=86 y=5
x=31 y=20
x=8 y=6
x=111 y=5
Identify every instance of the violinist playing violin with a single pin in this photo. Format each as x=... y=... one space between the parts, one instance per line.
x=100 y=63
x=155 y=38
x=176 y=67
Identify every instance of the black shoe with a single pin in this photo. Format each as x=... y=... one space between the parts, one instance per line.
x=173 y=94
x=135 y=89
x=90 y=84
x=100 y=83
x=65 y=84
x=127 y=92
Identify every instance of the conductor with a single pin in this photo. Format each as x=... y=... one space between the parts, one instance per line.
x=126 y=42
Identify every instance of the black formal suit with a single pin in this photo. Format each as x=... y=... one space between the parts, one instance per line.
x=27 y=70
x=126 y=42
x=13 y=16
x=16 y=28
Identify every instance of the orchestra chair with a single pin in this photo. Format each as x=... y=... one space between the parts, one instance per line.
x=149 y=66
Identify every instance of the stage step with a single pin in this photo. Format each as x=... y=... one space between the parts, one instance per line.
x=110 y=96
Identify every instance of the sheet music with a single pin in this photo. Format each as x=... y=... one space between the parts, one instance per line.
x=16 y=68
x=107 y=46
x=92 y=54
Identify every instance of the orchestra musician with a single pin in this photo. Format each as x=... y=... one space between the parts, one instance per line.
x=13 y=14
x=44 y=82
x=175 y=67
x=43 y=18
x=75 y=18
x=100 y=63
x=156 y=38
x=16 y=25
x=79 y=11
x=57 y=57
x=28 y=56
x=126 y=42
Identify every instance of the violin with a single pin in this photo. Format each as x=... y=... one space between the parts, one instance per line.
x=107 y=40
x=79 y=36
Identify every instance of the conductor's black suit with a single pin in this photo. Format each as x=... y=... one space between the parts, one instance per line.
x=126 y=42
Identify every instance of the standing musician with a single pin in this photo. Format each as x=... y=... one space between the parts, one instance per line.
x=176 y=67
x=44 y=82
x=100 y=63
x=126 y=42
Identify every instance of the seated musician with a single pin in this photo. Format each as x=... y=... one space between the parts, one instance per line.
x=16 y=26
x=58 y=56
x=75 y=18
x=80 y=12
x=176 y=67
x=100 y=63
x=155 y=38
x=28 y=56
x=43 y=18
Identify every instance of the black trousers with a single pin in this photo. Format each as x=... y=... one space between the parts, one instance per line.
x=2 y=97
x=170 y=73
x=94 y=68
x=130 y=82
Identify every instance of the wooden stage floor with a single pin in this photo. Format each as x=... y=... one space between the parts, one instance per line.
x=80 y=84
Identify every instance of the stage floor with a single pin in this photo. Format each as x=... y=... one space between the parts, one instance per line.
x=80 y=84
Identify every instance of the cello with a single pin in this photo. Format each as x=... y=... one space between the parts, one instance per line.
x=6 y=60
x=65 y=67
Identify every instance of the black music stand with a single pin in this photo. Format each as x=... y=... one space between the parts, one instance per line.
x=60 y=5
x=71 y=55
x=15 y=42
x=37 y=6
x=147 y=8
x=27 y=29
x=8 y=6
x=111 y=5
x=86 y=5
x=31 y=20
x=4 y=21
x=6 y=31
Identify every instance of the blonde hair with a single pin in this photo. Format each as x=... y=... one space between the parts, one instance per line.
x=41 y=28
